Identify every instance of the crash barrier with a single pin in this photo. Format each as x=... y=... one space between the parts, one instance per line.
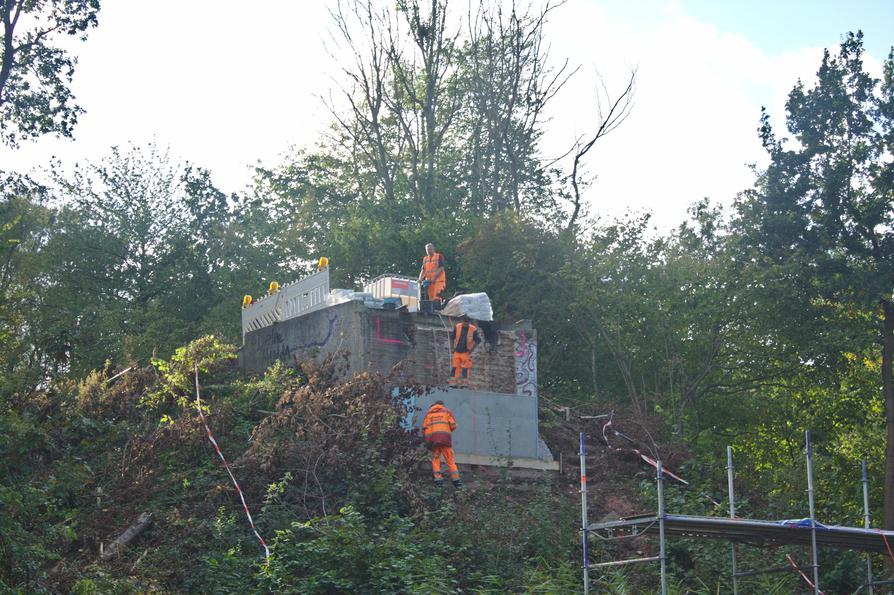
x=294 y=299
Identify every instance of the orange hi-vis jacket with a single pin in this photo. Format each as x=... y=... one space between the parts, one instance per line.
x=430 y=264
x=438 y=426
x=470 y=338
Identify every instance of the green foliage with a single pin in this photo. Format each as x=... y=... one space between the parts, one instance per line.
x=207 y=354
x=746 y=330
x=818 y=230
x=342 y=553
x=36 y=68
x=37 y=520
x=24 y=223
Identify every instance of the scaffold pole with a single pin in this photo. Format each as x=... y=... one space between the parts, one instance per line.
x=810 y=499
x=866 y=525
x=583 y=513
x=732 y=512
x=661 y=548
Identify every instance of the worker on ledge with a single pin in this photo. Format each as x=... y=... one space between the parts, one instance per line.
x=464 y=339
x=432 y=277
x=323 y=263
x=273 y=289
x=437 y=432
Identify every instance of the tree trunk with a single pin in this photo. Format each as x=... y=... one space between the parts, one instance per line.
x=117 y=546
x=888 y=392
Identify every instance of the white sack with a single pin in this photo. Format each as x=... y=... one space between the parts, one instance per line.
x=474 y=305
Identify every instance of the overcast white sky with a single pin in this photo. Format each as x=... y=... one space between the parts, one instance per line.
x=228 y=84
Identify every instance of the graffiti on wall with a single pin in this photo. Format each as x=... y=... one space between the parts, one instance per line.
x=525 y=365
x=321 y=342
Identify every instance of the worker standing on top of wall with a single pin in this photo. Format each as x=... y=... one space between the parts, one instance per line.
x=433 y=274
x=464 y=339
x=437 y=432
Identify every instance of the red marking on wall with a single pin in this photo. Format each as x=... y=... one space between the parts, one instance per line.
x=523 y=344
x=379 y=338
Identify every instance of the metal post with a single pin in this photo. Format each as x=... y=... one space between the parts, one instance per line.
x=866 y=525
x=816 y=588
x=732 y=512
x=585 y=533
x=661 y=549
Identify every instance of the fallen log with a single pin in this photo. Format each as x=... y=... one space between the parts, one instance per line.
x=132 y=532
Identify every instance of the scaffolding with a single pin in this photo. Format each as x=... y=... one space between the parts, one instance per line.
x=758 y=533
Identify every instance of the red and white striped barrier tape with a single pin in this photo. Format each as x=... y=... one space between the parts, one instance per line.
x=887 y=545
x=647 y=459
x=227 y=467
x=791 y=561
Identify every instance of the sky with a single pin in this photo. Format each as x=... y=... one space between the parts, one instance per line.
x=227 y=87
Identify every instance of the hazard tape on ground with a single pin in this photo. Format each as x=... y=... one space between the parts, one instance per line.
x=227 y=467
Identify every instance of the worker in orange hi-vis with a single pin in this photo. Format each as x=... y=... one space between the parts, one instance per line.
x=437 y=432
x=433 y=274
x=464 y=339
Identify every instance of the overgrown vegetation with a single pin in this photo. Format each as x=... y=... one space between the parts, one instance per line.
x=744 y=326
x=327 y=467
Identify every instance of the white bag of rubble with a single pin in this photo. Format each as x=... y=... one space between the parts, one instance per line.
x=474 y=305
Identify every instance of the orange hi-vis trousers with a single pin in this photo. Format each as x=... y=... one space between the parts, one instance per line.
x=447 y=452
x=462 y=367
x=434 y=290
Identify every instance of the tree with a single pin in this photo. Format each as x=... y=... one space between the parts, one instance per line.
x=145 y=254
x=35 y=70
x=443 y=114
x=402 y=98
x=25 y=224
x=654 y=313
x=610 y=114
x=823 y=211
x=508 y=81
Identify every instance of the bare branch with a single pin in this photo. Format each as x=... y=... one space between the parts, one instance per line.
x=618 y=111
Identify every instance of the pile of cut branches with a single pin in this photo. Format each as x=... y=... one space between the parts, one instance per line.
x=330 y=431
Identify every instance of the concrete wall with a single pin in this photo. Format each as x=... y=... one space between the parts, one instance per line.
x=415 y=346
x=498 y=420
x=489 y=424
x=311 y=335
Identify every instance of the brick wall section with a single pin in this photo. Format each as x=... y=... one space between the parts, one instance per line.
x=416 y=347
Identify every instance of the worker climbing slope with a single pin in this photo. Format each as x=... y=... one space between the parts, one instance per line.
x=433 y=277
x=437 y=432
x=464 y=340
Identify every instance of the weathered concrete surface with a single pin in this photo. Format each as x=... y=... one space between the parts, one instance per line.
x=311 y=335
x=414 y=346
x=492 y=428
x=498 y=418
